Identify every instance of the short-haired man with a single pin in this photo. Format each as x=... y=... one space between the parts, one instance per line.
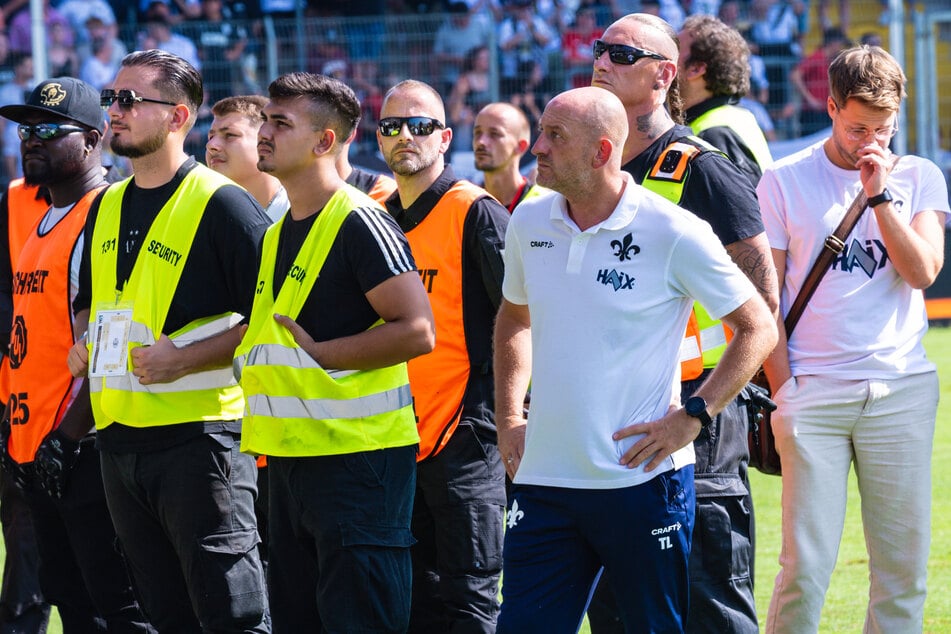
x=853 y=384
x=61 y=128
x=602 y=469
x=168 y=269
x=636 y=59
x=232 y=150
x=456 y=231
x=338 y=309
x=501 y=135
x=714 y=74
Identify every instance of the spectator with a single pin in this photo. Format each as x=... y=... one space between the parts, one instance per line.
x=774 y=29
x=471 y=92
x=12 y=92
x=103 y=53
x=669 y=10
x=158 y=34
x=20 y=29
x=221 y=42
x=60 y=52
x=175 y=11
x=78 y=12
x=523 y=38
x=577 y=46
x=811 y=81
x=456 y=37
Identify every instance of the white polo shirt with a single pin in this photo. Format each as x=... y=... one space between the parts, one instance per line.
x=609 y=308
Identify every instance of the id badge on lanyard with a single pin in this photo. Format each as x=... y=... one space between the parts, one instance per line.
x=109 y=336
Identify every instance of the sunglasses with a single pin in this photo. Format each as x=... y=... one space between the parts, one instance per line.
x=126 y=99
x=46 y=131
x=624 y=55
x=418 y=126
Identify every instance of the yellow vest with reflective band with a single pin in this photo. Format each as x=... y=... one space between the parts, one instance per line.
x=741 y=121
x=294 y=407
x=202 y=396
x=706 y=338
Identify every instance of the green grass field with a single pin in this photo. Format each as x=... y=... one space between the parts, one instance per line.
x=845 y=604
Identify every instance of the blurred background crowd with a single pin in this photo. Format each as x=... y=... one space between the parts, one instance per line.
x=473 y=51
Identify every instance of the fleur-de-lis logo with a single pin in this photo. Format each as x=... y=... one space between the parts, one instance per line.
x=515 y=515
x=52 y=94
x=625 y=249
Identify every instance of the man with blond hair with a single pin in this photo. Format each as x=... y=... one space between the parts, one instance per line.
x=852 y=382
x=232 y=150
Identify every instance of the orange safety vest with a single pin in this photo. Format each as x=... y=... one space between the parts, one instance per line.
x=25 y=208
x=383 y=188
x=41 y=387
x=439 y=379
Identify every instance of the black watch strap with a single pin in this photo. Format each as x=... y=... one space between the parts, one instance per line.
x=884 y=197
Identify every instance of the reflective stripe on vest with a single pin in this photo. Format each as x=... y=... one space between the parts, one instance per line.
x=25 y=208
x=705 y=338
x=202 y=396
x=439 y=379
x=41 y=387
x=743 y=123
x=294 y=407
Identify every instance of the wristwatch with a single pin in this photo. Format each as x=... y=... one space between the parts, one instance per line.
x=697 y=407
x=884 y=197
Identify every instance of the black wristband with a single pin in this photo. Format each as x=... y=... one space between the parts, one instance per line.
x=884 y=197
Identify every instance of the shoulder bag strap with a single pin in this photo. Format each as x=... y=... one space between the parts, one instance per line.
x=832 y=247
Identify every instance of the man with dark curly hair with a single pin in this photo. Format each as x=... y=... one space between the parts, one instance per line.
x=714 y=73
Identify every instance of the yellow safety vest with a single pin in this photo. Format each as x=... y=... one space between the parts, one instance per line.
x=295 y=407
x=741 y=121
x=201 y=396
x=706 y=338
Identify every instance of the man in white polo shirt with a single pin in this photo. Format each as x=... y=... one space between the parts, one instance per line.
x=600 y=278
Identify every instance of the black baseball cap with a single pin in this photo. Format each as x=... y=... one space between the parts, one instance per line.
x=62 y=96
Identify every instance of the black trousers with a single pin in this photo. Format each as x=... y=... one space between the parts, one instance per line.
x=458 y=519
x=185 y=520
x=81 y=570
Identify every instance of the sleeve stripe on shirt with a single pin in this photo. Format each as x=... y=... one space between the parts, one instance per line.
x=396 y=257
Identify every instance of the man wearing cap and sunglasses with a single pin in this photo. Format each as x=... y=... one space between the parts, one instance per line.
x=636 y=60
x=168 y=269
x=50 y=450
x=456 y=231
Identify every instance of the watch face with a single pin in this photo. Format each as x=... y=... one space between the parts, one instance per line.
x=695 y=406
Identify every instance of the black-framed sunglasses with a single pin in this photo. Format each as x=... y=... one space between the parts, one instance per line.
x=624 y=55
x=126 y=99
x=46 y=131
x=418 y=126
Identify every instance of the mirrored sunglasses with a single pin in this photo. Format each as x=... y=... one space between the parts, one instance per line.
x=46 y=131
x=418 y=126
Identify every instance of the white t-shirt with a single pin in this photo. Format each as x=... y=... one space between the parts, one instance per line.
x=864 y=321
x=609 y=307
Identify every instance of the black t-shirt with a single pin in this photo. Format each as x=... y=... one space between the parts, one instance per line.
x=218 y=277
x=725 y=138
x=715 y=189
x=483 y=238
x=362 y=180
x=369 y=249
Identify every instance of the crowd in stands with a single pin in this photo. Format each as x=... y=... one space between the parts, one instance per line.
x=474 y=51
